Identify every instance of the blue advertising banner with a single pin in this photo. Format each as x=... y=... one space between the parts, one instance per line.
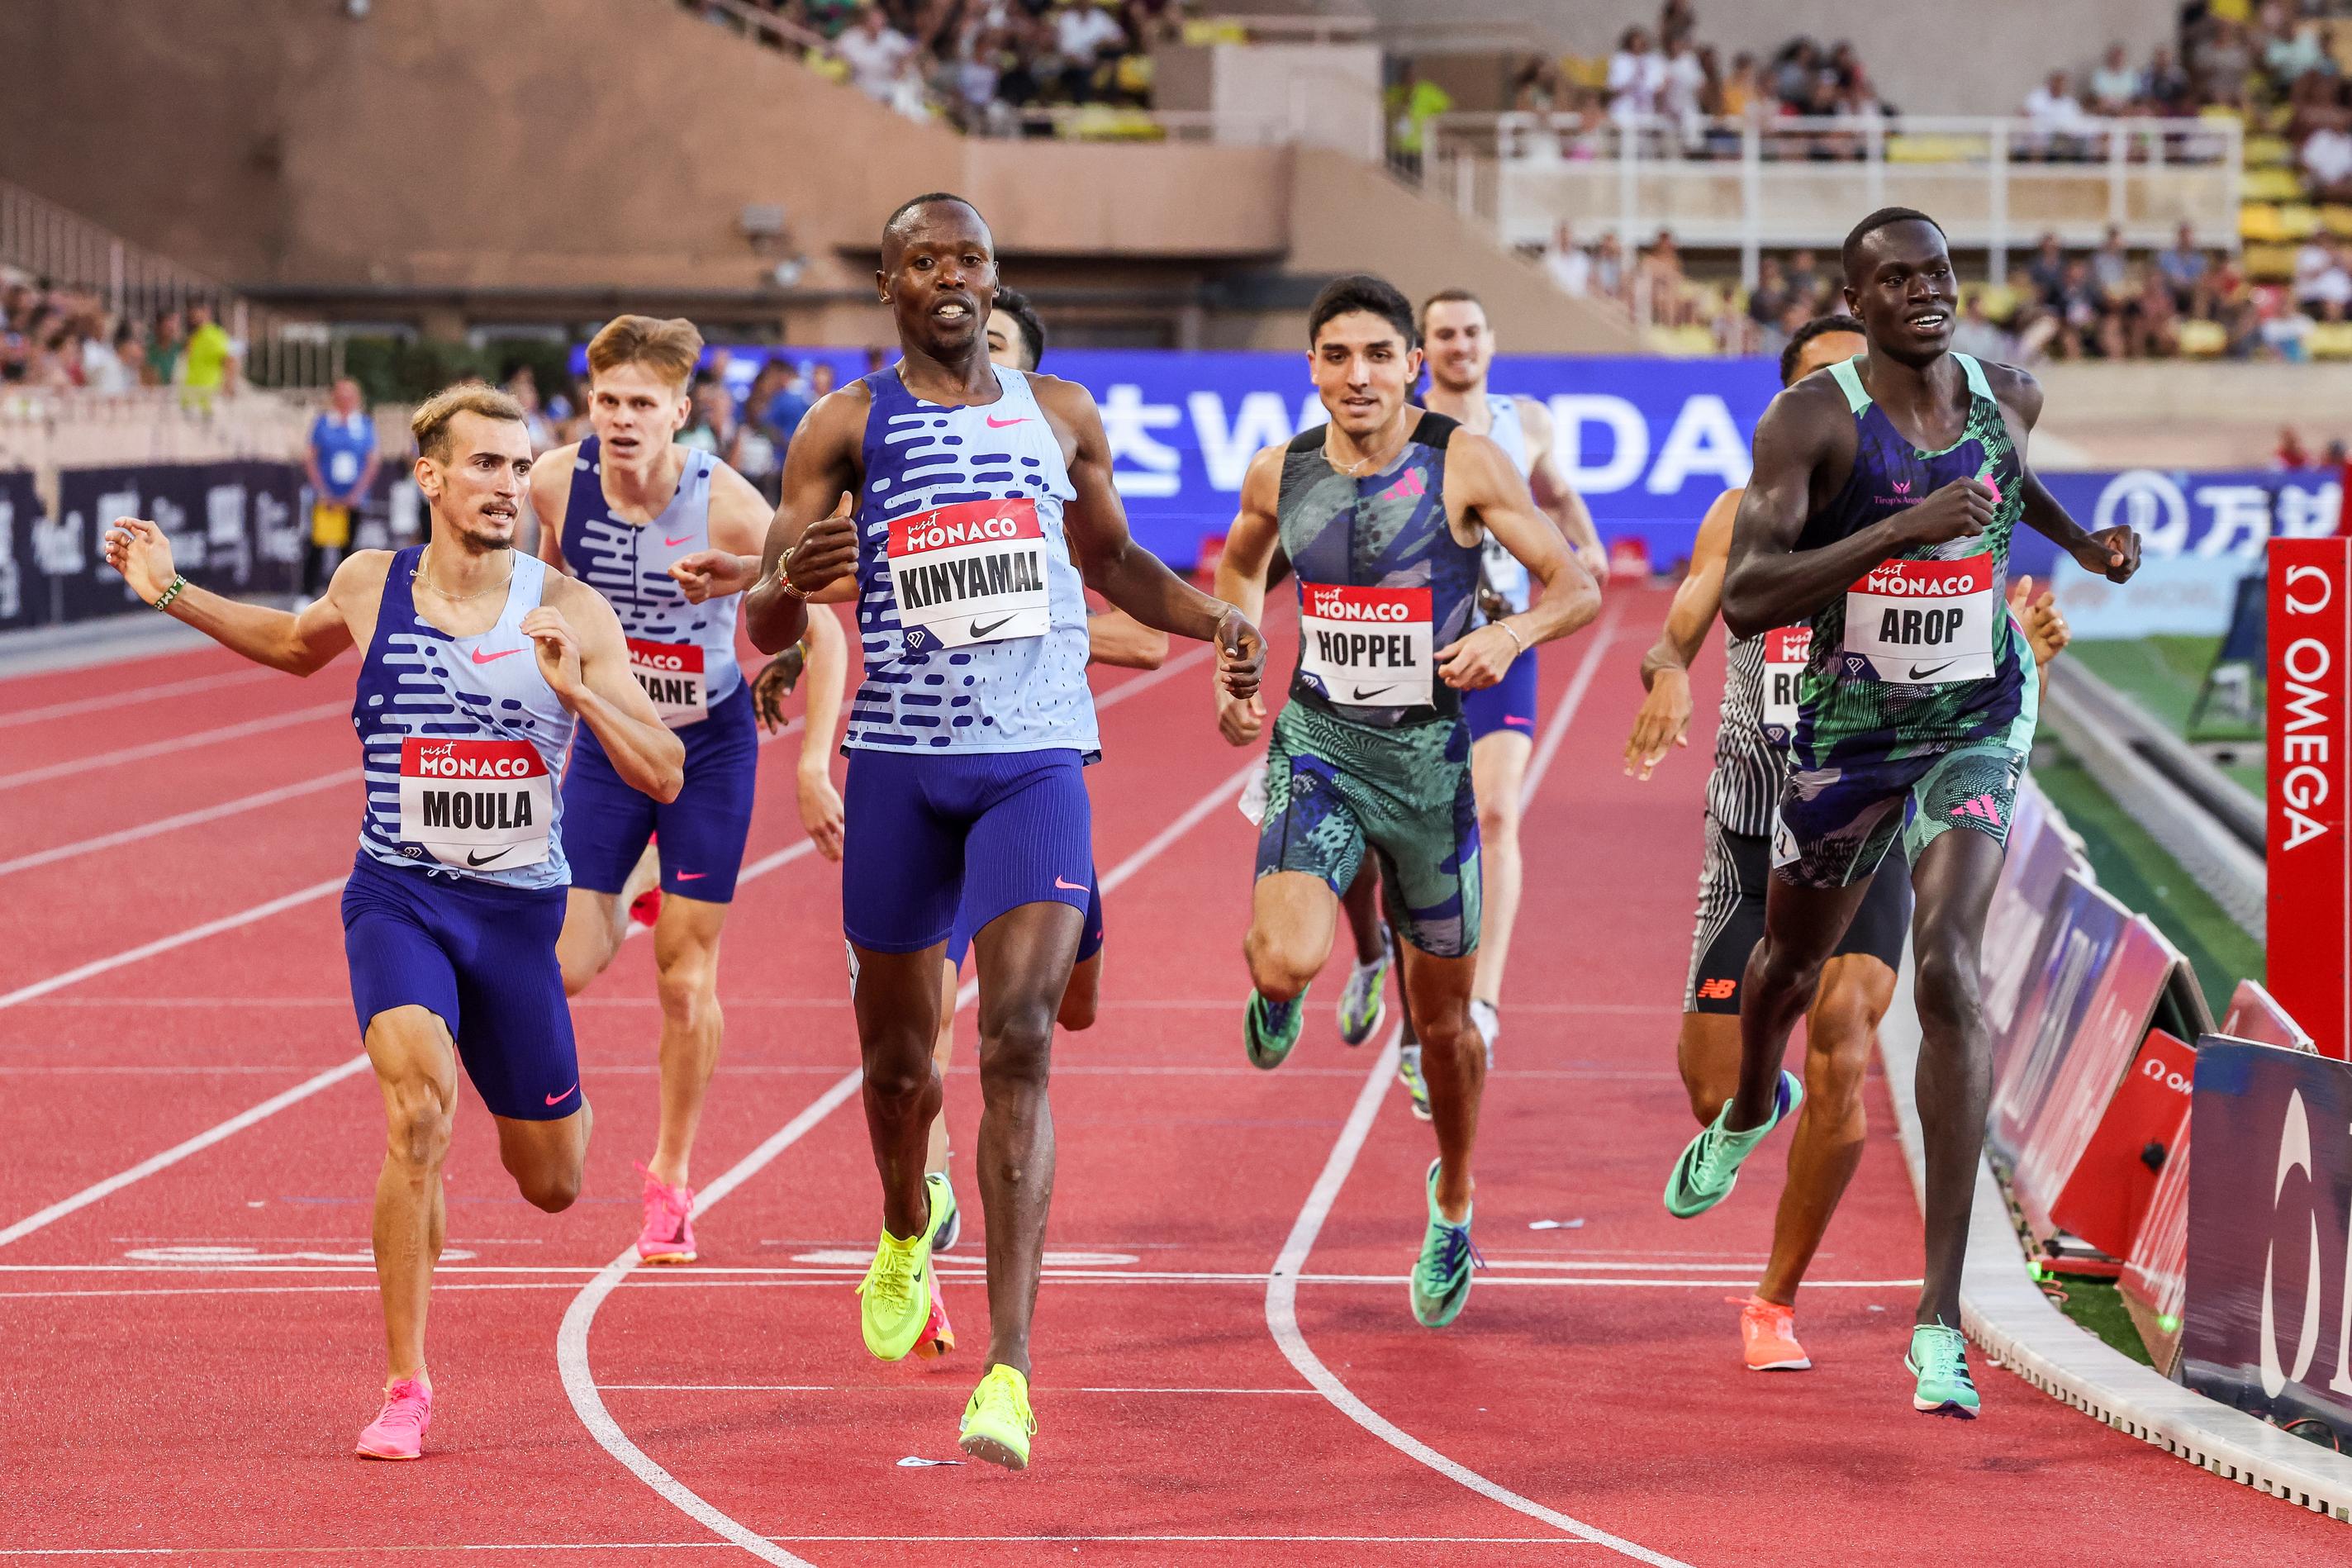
x=1649 y=443
x=2268 y=1315
x=20 y=509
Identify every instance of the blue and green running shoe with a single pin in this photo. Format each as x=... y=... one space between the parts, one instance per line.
x=1364 y=1002
x=1269 y=1029
x=1939 y=1360
x=1708 y=1168
x=1441 y=1276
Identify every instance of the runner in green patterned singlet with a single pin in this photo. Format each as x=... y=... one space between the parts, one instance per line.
x=1881 y=509
x=1382 y=513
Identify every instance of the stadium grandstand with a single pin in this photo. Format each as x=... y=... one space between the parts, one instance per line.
x=883 y=427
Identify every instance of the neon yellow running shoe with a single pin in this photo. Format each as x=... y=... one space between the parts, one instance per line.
x=997 y=1425
x=896 y=1294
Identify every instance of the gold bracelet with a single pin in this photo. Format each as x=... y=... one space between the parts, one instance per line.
x=164 y=600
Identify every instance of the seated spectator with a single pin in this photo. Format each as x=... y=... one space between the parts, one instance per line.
x=2057 y=118
x=2326 y=159
x=2321 y=275
x=2111 y=265
x=2292 y=50
x=1771 y=294
x=1087 y=38
x=2223 y=60
x=1976 y=334
x=873 y=51
x=1568 y=262
x=2165 y=87
x=2115 y=87
x=2047 y=270
x=1609 y=266
x=2184 y=266
x=1794 y=70
x=2152 y=320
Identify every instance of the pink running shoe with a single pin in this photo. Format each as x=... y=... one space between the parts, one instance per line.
x=668 y=1235
x=939 y=1334
x=398 y=1430
x=1768 y=1335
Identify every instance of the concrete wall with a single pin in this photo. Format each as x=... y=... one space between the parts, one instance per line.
x=1976 y=59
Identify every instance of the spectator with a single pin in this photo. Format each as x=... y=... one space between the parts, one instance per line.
x=2292 y=50
x=208 y=364
x=103 y=368
x=2183 y=267
x=873 y=51
x=1771 y=294
x=2115 y=87
x=523 y=387
x=2326 y=158
x=1806 y=284
x=1977 y=334
x=340 y=461
x=2111 y=265
x=2152 y=321
x=2057 y=117
x=711 y=423
x=2165 y=85
x=164 y=349
x=1743 y=96
x=2223 y=60
x=755 y=455
x=1637 y=75
x=1794 y=70
x=1087 y=38
x=2291 y=453
x=1609 y=266
x=2047 y=270
x=1682 y=88
x=1412 y=104
x=2321 y=277
x=785 y=405
x=1569 y=266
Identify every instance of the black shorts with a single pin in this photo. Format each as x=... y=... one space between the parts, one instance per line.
x=1731 y=916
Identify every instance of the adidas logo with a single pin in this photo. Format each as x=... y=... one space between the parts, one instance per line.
x=1983 y=808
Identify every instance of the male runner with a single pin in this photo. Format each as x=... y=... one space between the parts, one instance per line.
x=1857 y=983
x=1382 y=512
x=631 y=513
x=454 y=900
x=1881 y=507
x=980 y=491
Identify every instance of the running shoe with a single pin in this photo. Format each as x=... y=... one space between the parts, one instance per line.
x=1409 y=1075
x=1708 y=1168
x=646 y=907
x=943 y=1191
x=1489 y=1023
x=668 y=1233
x=937 y=1337
x=1364 y=1002
x=1441 y=1276
x=1269 y=1029
x=1939 y=1360
x=398 y=1430
x=997 y=1425
x=896 y=1294
x=1768 y=1335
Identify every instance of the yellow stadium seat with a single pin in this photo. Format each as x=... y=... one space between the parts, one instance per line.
x=2219 y=112
x=1204 y=31
x=2267 y=152
x=2330 y=340
x=2203 y=339
x=1133 y=75
x=2258 y=222
x=1578 y=71
x=2278 y=185
x=2270 y=263
x=1684 y=342
x=1931 y=149
x=2300 y=220
x=2337 y=220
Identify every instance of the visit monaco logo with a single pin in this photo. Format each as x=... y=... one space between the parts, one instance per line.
x=462 y=760
x=1927 y=579
x=1328 y=602
x=965 y=523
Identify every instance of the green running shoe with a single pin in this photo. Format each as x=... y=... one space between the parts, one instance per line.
x=1269 y=1029
x=1441 y=1276
x=1939 y=1360
x=1708 y=1168
x=1409 y=1075
x=894 y=1297
x=1364 y=1002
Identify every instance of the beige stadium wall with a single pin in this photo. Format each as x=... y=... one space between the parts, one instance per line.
x=1928 y=58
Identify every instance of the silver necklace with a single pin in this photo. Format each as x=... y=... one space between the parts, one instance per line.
x=416 y=574
x=1355 y=469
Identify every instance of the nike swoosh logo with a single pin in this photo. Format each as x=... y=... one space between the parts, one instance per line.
x=996 y=424
x=560 y=1099
x=674 y=544
x=980 y=631
x=1363 y=692
x=692 y=876
x=480 y=861
x=1073 y=886
x=1919 y=674
x=481 y=658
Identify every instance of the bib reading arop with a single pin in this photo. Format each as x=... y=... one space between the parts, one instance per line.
x=1368 y=647
x=971 y=571
x=476 y=803
x=1922 y=623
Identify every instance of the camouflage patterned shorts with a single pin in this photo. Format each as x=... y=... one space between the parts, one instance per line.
x=1836 y=822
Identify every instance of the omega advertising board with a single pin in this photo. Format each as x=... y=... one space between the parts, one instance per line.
x=2310 y=963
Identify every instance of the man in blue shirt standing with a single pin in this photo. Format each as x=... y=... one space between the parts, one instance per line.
x=341 y=463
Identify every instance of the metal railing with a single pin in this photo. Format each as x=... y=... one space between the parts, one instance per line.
x=68 y=251
x=1753 y=183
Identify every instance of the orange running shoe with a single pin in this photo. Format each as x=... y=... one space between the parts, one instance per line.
x=939 y=1334
x=1768 y=1335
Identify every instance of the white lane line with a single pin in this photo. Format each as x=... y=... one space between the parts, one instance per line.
x=933 y=1385
x=261 y=911
x=1282 y=1289
x=171 y=744
x=375 y=1550
x=135 y=694
x=185 y=819
x=572 y=1338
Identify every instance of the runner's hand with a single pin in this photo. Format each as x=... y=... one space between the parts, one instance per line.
x=138 y=549
x=2112 y=553
x=1241 y=655
x=1594 y=559
x=557 y=647
x=1958 y=510
x=2046 y=629
x=711 y=574
x=1240 y=720
x=773 y=684
x=1478 y=660
x=821 y=811
x=1662 y=724
x=827 y=551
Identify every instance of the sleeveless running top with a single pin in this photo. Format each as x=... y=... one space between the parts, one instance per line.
x=1919 y=655
x=1382 y=584
x=682 y=653
x=461 y=741
x=972 y=617
x=1506 y=575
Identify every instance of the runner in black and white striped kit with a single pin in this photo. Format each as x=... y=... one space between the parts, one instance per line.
x=1743 y=792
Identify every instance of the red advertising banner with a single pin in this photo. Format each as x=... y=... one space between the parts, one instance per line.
x=2155 y=1273
x=2254 y=1014
x=2310 y=952
x=2109 y=1191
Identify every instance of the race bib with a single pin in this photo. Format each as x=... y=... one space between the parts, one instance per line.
x=1506 y=575
x=1786 y=649
x=1922 y=623
x=970 y=572
x=671 y=673
x=479 y=804
x=1365 y=647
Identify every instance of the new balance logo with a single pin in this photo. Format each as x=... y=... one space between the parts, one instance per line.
x=1984 y=807
x=1716 y=990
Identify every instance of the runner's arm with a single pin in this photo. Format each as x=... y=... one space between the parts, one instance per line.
x=1769 y=581
x=1251 y=544
x=2112 y=553
x=297 y=642
x=576 y=637
x=827 y=675
x=1664 y=718
x=1555 y=495
x=819 y=465
x=549 y=490
x=1116 y=638
x=1480 y=481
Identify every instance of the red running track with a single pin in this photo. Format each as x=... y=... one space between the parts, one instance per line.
x=189 y=1354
